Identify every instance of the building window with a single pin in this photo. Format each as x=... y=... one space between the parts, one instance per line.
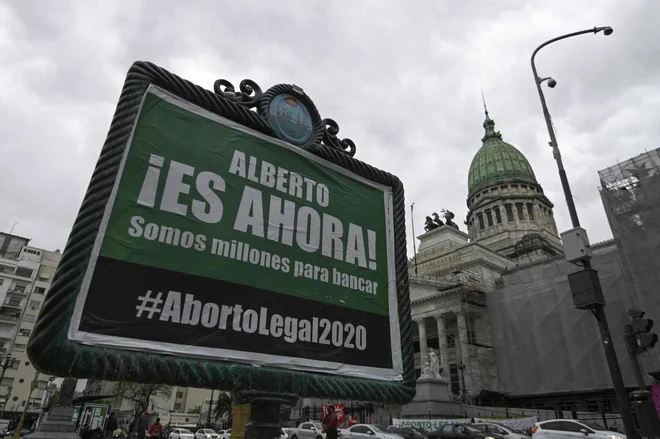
x=530 y=212
x=35 y=304
x=453 y=378
x=521 y=213
x=29 y=318
x=451 y=341
x=498 y=216
x=177 y=406
x=490 y=218
x=2 y=281
x=471 y=337
x=39 y=290
x=481 y=221
x=6 y=381
x=24 y=332
x=5 y=246
x=19 y=288
x=509 y=213
x=179 y=395
x=13 y=302
x=24 y=272
x=19 y=347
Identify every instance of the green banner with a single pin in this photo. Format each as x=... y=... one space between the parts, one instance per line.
x=207 y=199
x=219 y=241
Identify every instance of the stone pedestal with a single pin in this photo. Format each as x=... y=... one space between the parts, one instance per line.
x=432 y=389
x=445 y=237
x=432 y=397
x=58 y=424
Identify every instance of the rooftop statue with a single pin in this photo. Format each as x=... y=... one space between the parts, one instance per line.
x=449 y=216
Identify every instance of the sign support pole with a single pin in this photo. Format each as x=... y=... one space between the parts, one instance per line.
x=265 y=410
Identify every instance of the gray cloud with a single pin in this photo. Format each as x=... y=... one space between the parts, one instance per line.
x=401 y=78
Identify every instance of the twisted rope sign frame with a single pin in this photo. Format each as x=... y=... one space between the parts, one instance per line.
x=52 y=352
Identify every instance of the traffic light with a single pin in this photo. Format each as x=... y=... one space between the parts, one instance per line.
x=642 y=326
x=641 y=331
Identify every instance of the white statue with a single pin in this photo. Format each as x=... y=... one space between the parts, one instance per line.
x=431 y=367
x=434 y=363
x=426 y=369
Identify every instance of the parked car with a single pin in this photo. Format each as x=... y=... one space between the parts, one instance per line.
x=409 y=433
x=461 y=431
x=226 y=434
x=502 y=430
x=181 y=433
x=205 y=433
x=24 y=432
x=284 y=434
x=307 y=430
x=563 y=428
x=363 y=431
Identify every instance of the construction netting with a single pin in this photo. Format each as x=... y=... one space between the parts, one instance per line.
x=542 y=343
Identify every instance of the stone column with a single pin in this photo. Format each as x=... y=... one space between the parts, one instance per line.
x=462 y=349
x=423 y=348
x=442 y=342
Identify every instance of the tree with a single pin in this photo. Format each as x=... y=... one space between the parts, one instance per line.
x=140 y=394
x=223 y=406
x=52 y=399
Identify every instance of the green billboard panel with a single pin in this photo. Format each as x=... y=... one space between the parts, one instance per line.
x=228 y=247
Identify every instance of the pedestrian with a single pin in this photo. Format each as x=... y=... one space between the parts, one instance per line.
x=141 y=425
x=110 y=425
x=330 y=423
x=156 y=430
x=86 y=432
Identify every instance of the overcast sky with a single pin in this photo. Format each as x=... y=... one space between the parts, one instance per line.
x=402 y=79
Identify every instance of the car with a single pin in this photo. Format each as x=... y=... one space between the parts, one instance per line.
x=307 y=430
x=461 y=431
x=563 y=428
x=409 y=432
x=362 y=431
x=502 y=430
x=206 y=433
x=181 y=433
x=283 y=434
x=226 y=434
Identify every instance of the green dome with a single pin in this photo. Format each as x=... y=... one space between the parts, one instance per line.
x=497 y=162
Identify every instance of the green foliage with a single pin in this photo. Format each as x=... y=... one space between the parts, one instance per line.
x=223 y=405
x=140 y=394
x=52 y=400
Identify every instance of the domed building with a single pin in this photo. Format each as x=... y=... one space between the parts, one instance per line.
x=510 y=224
x=508 y=211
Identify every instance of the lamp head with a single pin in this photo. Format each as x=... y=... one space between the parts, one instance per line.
x=607 y=30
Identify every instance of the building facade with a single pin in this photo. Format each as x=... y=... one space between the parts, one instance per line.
x=499 y=295
x=510 y=222
x=25 y=277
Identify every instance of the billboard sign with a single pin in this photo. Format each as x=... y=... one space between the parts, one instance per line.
x=220 y=244
x=339 y=412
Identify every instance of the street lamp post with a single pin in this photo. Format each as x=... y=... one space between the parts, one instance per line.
x=595 y=302
x=33 y=386
x=4 y=406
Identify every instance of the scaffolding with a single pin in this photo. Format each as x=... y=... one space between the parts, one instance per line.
x=630 y=192
x=475 y=367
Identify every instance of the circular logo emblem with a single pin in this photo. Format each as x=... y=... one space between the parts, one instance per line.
x=290 y=119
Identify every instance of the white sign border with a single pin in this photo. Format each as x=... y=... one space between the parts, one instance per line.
x=255 y=359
